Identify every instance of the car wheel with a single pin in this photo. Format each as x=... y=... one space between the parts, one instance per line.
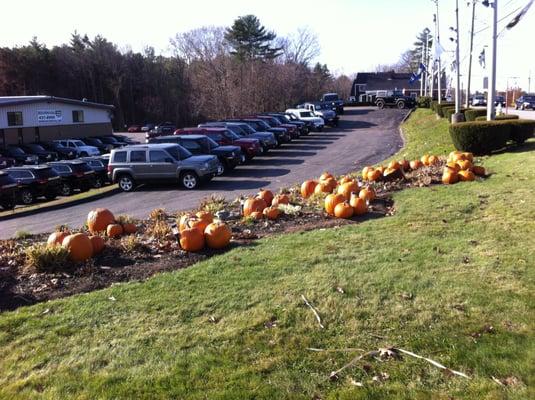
x=126 y=183
x=8 y=204
x=522 y=107
x=98 y=183
x=51 y=195
x=26 y=196
x=189 y=180
x=221 y=169
x=65 y=189
x=401 y=104
x=380 y=104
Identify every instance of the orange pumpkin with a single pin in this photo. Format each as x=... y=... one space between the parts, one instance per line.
x=280 y=199
x=367 y=194
x=374 y=175
x=381 y=168
x=257 y=215
x=359 y=205
x=449 y=176
x=205 y=216
x=98 y=243
x=307 y=188
x=466 y=175
x=391 y=173
x=191 y=239
x=365 y=171
x=114 y=230
x=253 y=204
x=345 y=179
x=453 y=165
x=266 y=195
x=464 y=164
x=271 y=212
x=343 y=210
x=415 y=164
x=325 y=176
x=56 y=238
x=217 y=235
x=453 y=154
x=78 y=246
x=331 y=184
x=432 y=160
x=99 y=219
x=183 y=222
x=196 y=223
x=323 y=187
x=394 y=165
x=331 y=201
x=347 y=188
x=468 y=156
x=478 y=170
x=425 y=159
x=129 y=228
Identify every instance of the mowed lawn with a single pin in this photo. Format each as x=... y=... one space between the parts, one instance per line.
x=450 y=276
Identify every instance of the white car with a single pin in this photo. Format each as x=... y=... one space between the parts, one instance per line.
x=80 y=148
x=306 y=115
x=329 y=116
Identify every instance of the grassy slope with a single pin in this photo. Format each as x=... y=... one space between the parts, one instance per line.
x=452 y=260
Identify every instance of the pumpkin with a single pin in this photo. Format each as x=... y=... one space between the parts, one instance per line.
x=129 y=228
x=425 y=159
x=347 y=188
x=367 y=194
x=432 y=160
x=365 y=171
x=205 y=216
x=78 y=246
x=257 y=215
x=99 y=219
x=453 y=165
x=405 y=164
x=323 y=187
x=265 y=195
x=466 y=175
x=280 y=199
x=331 y=201
x=331 y=184
x=415 y=164
x=325 y=176
x=217 y=235
x=307 y=188
x=468 y=156
x=196 y=223
x=56 y=238
x=183 y=222
x=253 y=204
x=452 y=155
x=114 y=230
x=374 y=175
x=391 y=173
x=191 y=239
x=478 y=170
x=345 y=179
x=381 y=168
x=343 y=210
x=271 y=212
x=394 y=165
x=98 y=244
x=464 y=164
x=358 y=204
x=449 y=176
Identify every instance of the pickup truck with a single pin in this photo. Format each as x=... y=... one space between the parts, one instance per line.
x=320 y=110
x=335 y=102
x=305 y=115
x=394 y=99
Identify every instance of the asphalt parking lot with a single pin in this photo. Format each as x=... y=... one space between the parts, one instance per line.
x=364 y=136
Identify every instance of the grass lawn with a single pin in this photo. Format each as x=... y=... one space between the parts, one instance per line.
x=432 y=279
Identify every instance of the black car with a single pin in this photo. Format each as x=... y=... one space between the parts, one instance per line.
x=100 y=166
x=334 y=101
x=8 y=191
x=126 y=139
x=267 y=139
x=75 y=174
x=499 y=100
x=64 y=153
x=229 y=156
x=393 y=98
x=257 y=124
x=165 y=128
x=38 y=150
x=99 y=144
x=20 y=156
x=35 y=181
x=112 y=141
x=525 y=102
x=285 y=119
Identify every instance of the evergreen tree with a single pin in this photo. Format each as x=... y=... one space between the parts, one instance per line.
x=250 y=40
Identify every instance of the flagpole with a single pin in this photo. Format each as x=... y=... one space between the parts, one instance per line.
x=439 y=76
x=421 y=80
x=471 y=50
x=424 y=61
x=491 y=97
x=458 y=72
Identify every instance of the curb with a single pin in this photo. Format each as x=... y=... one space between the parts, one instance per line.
x=400 y=126
x=59 y=206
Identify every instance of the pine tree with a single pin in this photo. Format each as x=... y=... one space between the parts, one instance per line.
x=250 y=40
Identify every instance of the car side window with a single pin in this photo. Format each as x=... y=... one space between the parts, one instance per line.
x=158 y=156
x=216 y=136
x=15 y=174
x=119 y=156
x=138 y=156
x=191 y=145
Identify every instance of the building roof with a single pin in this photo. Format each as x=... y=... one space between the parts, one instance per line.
x=16 y=100
x=387 y=80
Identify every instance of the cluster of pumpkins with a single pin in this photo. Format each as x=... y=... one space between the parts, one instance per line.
x=201 y=229
x=460 y=167
x=395 y=168
x=345 y=197
x=81 y=246
x=264 y=205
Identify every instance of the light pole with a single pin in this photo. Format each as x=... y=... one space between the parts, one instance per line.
x=470 y=57
x=457 y=117
x=439 y=74
x=491 y=97
x=424 y=60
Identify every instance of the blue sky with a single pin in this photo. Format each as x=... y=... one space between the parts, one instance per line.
x=355 y=35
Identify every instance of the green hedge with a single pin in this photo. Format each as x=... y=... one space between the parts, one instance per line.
x=442 y=106
x=433 y=105
x=472 y=114
x=423 y=101
x=502 y=117
x=521 y=130
x=480 y=137
x=448 y=112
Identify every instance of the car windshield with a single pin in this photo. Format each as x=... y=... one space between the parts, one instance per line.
x=209 y=143
x=290 y=117
x=305 y=114
x=231 y=135
x=178 y=152
x=17 y=151
x=36 y=147
x=97 y=141
x=247 y=128
x=330 y=97
x=529 y=98
x=45 y=173
x=236 y=130
x=274 y=121
x=96 y=163
x=80 y=167
x=78 y=143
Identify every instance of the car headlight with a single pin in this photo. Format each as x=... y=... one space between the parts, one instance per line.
x=206 y=165
x=233 y=154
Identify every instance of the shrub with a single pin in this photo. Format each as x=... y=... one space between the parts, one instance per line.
x=423 y=101
x=433 y=105
x=43 y=258
x=480 y=137
x=471 y=114
x=442 y=106
x=448 y=112
x=502 y=117
x=521 y=130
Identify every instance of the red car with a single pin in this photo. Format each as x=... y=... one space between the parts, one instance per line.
x=292 y=130
x=134 y=128
x=225 y=137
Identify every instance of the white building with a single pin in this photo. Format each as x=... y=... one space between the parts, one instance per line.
x=29 y=119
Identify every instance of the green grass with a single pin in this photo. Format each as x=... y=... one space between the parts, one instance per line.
x=450 y=261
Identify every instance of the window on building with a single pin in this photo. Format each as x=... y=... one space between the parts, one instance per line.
x=14 y=118
x=77 y=116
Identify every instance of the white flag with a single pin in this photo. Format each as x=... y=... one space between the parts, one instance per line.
x=437 y=51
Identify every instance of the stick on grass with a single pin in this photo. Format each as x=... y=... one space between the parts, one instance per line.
x=313 y=310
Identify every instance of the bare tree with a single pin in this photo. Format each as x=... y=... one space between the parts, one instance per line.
x=302 y=47
x=203 y=44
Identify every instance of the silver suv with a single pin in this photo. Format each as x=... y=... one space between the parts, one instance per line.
x=141 y=163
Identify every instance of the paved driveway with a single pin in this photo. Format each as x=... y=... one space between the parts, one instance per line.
x=364 y=136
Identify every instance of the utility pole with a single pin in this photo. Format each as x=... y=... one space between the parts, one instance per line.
x=439 y=75
x=470 y=57
x=491 y=113
x=457 y=67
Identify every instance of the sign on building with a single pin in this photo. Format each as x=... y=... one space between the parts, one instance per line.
x=49 y=116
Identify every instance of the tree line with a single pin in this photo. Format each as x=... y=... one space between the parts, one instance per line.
x=213 y=72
